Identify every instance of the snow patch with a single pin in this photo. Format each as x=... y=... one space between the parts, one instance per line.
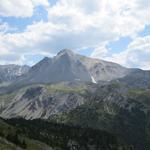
x=93 y=80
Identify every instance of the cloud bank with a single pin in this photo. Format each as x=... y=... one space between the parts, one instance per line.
x=78 y=25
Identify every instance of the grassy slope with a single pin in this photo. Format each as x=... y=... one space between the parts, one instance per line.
x=64 y=89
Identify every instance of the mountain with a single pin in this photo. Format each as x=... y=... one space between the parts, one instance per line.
x=60 y=84
x=68 y=66
x=9 y=73
x=137 y=78
x=63 y=67
x=75 y=90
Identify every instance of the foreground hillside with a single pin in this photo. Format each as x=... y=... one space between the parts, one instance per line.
x=42 y=135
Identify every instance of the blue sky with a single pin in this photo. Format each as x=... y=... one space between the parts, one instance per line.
x=115 y=31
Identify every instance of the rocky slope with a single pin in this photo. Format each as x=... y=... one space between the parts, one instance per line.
x=118 y=109
x=46 y=100
x=11 y=72
x=68 y=66
x=112 y=106
x=42 y=101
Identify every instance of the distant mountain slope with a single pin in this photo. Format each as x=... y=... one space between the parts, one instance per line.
x=137 y=78
x=68 y=66
x=11 y=72
x=102 y=70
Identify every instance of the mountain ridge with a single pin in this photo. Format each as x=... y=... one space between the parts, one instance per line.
x=9 y=73
x=69 y=66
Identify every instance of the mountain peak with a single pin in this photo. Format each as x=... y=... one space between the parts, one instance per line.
x=66 y=51
x=45 y=59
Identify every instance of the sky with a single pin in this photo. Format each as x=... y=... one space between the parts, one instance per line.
x=113 y=30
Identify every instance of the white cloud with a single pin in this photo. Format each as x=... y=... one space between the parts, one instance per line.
x=40 y=2
x=75 y=24
x=136 y=55
x=19 y=8
x=16 y=8
x=100 y=51
x=119 y=17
